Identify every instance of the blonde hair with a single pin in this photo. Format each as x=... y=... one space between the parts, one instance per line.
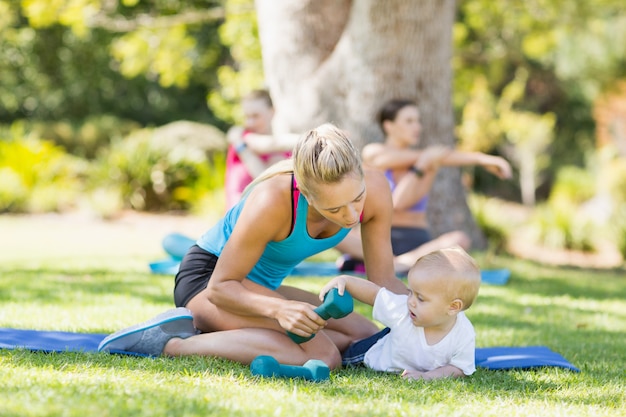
x=324 y=155
x=456 y=269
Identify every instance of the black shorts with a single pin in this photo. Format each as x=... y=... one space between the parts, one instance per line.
x=405 y=239
x=193 y=275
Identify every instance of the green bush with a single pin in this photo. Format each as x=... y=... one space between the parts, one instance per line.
x=84 y=138
x=493 y=219
x=574 y=184
x=38 y=176
x=155 y=175
x=618 y=221
x=560 y=225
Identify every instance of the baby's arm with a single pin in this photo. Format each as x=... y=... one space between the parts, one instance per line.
x=363 y=290
x=446 y=371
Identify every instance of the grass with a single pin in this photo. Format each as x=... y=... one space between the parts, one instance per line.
x=578 y=313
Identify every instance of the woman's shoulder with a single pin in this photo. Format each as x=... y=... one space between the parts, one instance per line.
x=272 y=192
x=375 y=179
x=378 y=200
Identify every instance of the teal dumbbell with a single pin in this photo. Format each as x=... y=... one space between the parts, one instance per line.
x=312 y=370
x=334 y=305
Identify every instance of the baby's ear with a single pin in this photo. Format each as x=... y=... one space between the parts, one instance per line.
x=455 y=306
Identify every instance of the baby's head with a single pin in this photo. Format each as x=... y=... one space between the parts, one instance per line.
x=451 y=272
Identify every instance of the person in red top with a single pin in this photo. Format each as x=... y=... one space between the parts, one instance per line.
x=244 y=160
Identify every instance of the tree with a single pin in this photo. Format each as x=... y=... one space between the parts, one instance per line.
x=339 y=60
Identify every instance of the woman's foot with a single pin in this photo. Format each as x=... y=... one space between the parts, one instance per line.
x=345 y=263
x=150 y=337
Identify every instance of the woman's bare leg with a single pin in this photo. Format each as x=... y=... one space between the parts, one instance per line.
x=242 y=338
x=405 y=261
x=243 y=345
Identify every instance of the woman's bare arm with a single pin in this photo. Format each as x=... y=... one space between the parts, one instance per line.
x=376 y=234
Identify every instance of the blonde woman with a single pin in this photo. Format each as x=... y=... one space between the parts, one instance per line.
x=229 y=285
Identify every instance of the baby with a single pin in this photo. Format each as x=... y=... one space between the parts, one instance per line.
x=428 y=335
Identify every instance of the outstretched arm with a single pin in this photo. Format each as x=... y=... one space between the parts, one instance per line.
x=250 y=159
x=264 y=144
x=359 y=288
x=380 y=156
x=494 y=164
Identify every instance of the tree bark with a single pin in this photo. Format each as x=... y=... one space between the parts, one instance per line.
x=339 y=60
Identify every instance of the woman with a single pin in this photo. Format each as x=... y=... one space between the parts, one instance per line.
x=243 y=162
x=231 y=281
x=411 y=174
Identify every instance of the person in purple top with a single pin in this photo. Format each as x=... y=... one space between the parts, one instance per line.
x=229 y=285
x=411 y=173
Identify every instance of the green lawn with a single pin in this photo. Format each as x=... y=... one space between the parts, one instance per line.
x=578 y=313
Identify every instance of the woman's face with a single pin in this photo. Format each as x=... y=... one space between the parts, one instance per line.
x=342 y=202
x=257 y=116
x=406 y=127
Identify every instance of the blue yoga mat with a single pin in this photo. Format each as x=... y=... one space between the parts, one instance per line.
x=323 y=269
x=520 y=357
x=494 y=358
x=488 y=276
x=176 y=246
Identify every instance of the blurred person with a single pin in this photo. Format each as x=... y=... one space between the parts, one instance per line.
x=411 y=174
x=252 y=147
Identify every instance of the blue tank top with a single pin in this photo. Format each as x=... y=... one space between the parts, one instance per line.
x=417 y=207
x=279 y=258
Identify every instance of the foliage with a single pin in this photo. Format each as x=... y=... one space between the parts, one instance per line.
x=158 y=176
x=574 y=184
x=495 y=221
x=558 y=224
x=37 y=176
x=140 y=171
x=241 y=34
x=83 y=139
x=552 y=41
x=523 y=136
x=619 y=222
x=72 y=66
x=57 y=68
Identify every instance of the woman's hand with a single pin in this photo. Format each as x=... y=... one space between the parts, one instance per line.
x=299 y=318
x=430 y=158
x=499 y=167
x=234 y=136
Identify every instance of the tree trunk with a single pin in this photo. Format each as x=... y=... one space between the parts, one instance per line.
x=339 y=60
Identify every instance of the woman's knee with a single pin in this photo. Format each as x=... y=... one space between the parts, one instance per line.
x=328 y=354
x=203 y=311
x=456 y=237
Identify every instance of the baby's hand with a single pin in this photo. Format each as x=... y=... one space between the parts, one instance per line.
x=410 y=374
x=337 y=282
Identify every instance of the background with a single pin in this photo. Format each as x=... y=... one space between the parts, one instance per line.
x=109 y=106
